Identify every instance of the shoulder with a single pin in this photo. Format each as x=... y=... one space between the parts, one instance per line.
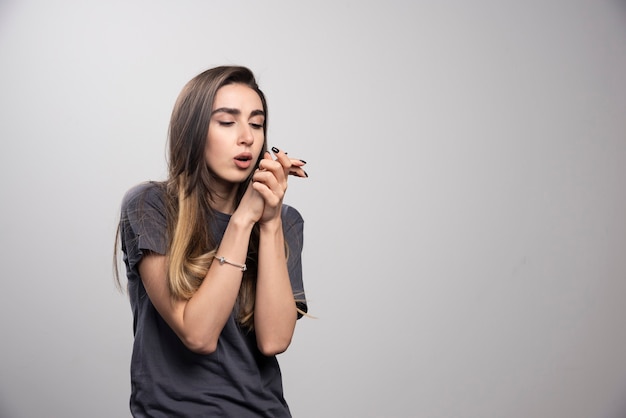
x=145 y=194
x=291 y=216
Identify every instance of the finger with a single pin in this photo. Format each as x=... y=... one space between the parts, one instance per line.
x=298 y=172
x=267 y=194
x=276 y=168
x=292 y=160
x=273 y=166
x=297 y=162
x=266 y=156
x=269 y=164
x=268 y=179
x=282 y=158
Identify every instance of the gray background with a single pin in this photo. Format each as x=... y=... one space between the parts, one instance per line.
x=465 y=211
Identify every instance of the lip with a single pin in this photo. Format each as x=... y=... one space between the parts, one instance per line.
x=243 y=160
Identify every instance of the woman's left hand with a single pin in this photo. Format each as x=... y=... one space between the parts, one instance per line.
x=270 y=181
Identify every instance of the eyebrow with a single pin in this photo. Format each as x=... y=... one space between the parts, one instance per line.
x=232 y=111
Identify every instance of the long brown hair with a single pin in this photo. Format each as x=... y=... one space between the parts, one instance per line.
x=191 y=246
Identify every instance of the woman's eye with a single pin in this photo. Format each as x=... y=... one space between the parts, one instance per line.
x=256 y=125
x=225 y=123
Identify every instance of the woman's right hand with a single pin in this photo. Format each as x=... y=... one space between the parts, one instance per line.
x=251 y=206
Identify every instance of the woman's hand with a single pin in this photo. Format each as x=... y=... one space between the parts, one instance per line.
x=270 y=181
x=251 y=207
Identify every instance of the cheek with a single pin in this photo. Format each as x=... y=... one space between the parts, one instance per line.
x=207 y=157
x=211 y=152
x=207 y=147
x=214 y=144
x=260 y=145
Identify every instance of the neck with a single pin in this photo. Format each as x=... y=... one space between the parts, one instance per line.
x=223 y=197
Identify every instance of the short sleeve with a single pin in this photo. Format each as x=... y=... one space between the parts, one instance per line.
x=143 y=222
x=293 y=229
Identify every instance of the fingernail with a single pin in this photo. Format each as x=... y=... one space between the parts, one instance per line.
x=305 y=173
x=303 y=162
x=275 y=150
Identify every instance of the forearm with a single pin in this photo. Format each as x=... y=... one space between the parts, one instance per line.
x=208 y=310
x=275 y=310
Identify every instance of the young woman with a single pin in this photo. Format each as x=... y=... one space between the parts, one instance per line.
x=212 y=258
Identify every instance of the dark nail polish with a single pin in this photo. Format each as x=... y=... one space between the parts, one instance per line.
x=303 y=162
x=305 y=173
x=275 y=150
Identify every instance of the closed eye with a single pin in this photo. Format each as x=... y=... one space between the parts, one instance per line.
x=257 y=125
x=225 y=123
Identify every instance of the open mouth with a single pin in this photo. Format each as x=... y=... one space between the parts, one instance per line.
x=243 y=160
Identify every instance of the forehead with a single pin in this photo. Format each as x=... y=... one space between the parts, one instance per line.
x=237 y=96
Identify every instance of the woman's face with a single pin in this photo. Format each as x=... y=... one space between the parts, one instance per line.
x=235 y=138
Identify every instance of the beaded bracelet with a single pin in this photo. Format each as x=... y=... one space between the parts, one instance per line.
x=222 y=260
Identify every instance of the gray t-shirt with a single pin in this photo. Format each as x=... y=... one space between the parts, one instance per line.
x=169 y=380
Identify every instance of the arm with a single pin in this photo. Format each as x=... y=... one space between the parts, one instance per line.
x=199 y=321
x=275 y=308
x=275 y=311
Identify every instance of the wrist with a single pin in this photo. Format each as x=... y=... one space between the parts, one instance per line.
x=240 y=222
x=272 y=226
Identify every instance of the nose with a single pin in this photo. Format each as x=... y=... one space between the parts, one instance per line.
x=246 y=136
